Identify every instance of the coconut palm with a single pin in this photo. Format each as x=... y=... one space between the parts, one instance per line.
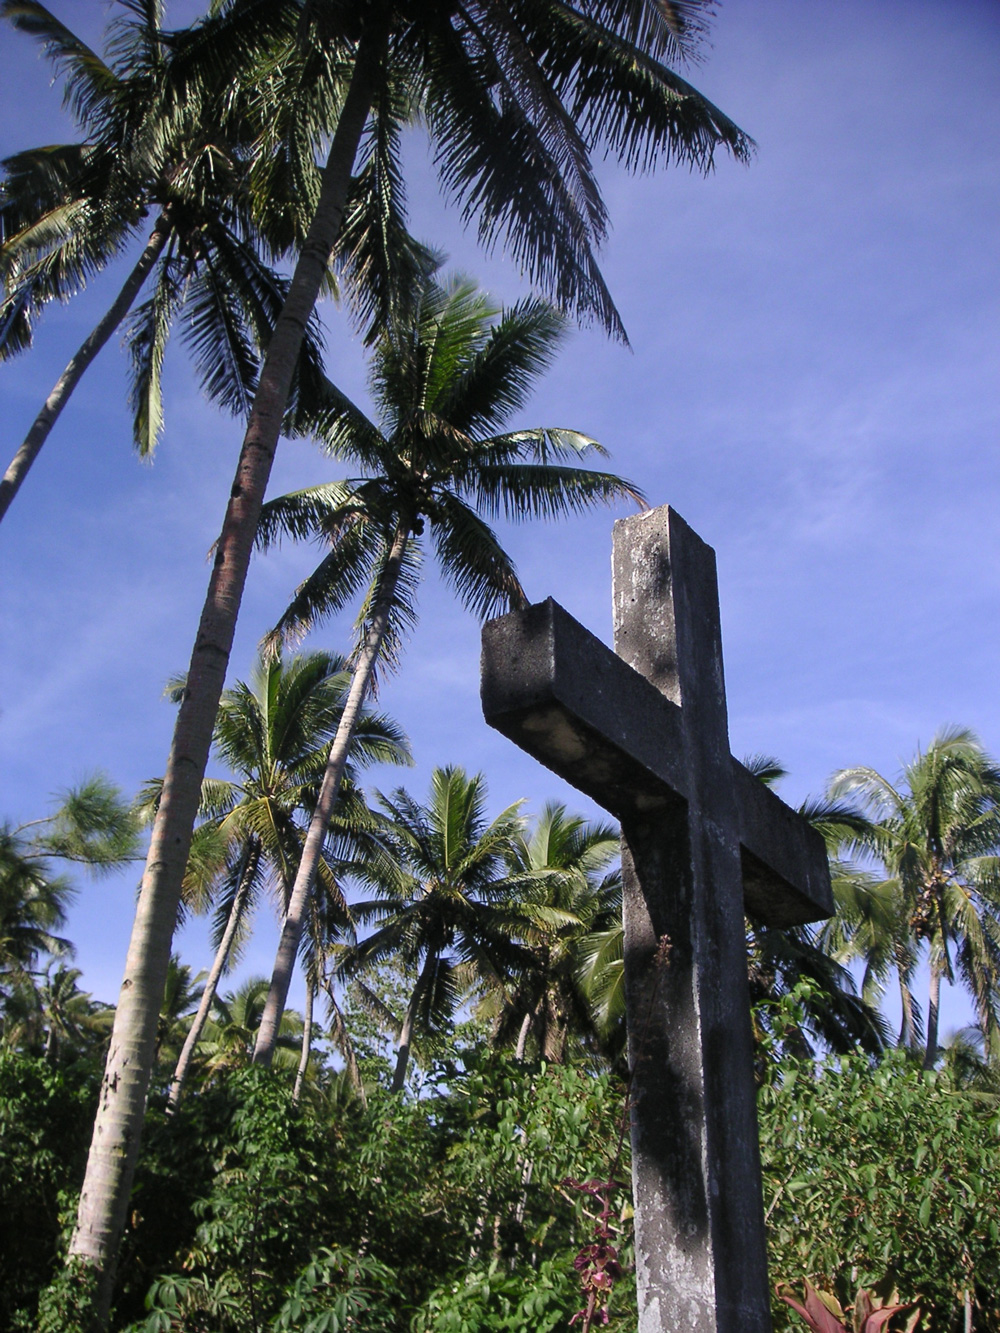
x=33 y=905
x=272 y=735
x=936 y=835
x=870 y=927
x=445 y=901
x=230 y=1033
x=68 y=211
x=804 y=959
x=444 y=384
x=53 y=1016
x=516 y=99
x=181 y=996
x=92 y=826
x=567 y=897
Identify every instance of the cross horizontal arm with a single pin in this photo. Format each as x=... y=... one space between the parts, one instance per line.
x=558 y=692
x=786 y=871
x=563 y=696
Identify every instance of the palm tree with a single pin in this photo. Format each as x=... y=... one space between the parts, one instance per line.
x=92 y=826
x=33 y=906
x=870 y=926
x=68 y=211
x=230 y=1033
x=516 y=99
x=445 y=907
x=272 y=735
x=803 y=959
x=936 y=835
x=181 y=996
x=567 y=898
x=444 y=384
x=53 y=1015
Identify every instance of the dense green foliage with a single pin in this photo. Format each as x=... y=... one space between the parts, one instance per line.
x=449 y=1202
x=451 y=1212
x=885 y=1169
x=45 y=1119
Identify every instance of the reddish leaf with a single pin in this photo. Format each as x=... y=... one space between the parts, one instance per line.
x=817 y=1315
x=879 y=1317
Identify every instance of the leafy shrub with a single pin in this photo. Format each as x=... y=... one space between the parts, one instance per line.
x=874 y=1170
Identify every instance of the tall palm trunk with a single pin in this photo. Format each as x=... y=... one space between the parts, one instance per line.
x=907 y=1027
x=117 y=1128
x=300 y=1073
x=70 y=378
x=248 y=869
x=341 y=1038
x=522 y=1036
x=406 y=1032
x=933 y=1006
x=305 y=875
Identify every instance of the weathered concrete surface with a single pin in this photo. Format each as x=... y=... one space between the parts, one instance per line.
x=644 y=732
x=562 y=695
x=786 y=873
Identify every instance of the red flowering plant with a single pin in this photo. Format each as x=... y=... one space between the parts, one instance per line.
x=597 y=1263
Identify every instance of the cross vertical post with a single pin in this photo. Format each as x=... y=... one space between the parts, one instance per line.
x=700 y=1250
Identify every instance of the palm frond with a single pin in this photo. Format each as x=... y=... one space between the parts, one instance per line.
x=146 y=339
x=89 y=83
x=473 y=560
x=520 y=491
x=498 y=377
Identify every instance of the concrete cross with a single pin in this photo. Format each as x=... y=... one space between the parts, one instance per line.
x=643 y=730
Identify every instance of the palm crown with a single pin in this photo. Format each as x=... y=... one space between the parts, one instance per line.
x=69 y=210
x=937 y=836
x=272 y=734
x=445 y=905
x=444 y=386
x=516 y=98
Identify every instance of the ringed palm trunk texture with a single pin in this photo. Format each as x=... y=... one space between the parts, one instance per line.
x=933 y=1008
x=117 y=1128
x=21 y=462
x=305 y=875
x=248 y=871
x=300 y=1073
x=406 y=1032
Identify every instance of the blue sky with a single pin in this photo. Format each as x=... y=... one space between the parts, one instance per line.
x=812 y=383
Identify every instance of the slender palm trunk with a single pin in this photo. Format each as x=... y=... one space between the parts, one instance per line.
x=342 y=1039
x=70 y=378
x=933 y=1005
x=403 y=1050
x=553 y=1044
x=907 y=1027
x=406 y=1032
x=247 y=871
x=118 y=1125
x=298 y=903
x=522 y=1036
x=307 y=1027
